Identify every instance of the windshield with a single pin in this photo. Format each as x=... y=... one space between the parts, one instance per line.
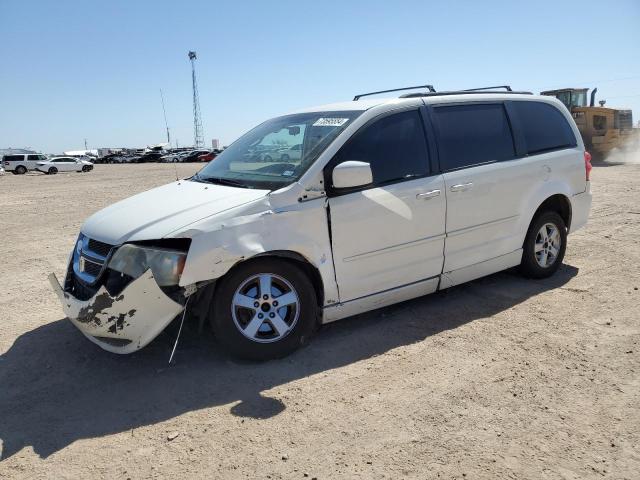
x=276 y=152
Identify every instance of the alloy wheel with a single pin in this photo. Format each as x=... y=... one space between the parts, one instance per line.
x=547 y=245
x=265 y=308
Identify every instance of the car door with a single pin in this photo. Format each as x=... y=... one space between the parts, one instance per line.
x=62 y=164
x=389 y=233
x=32 y=161
x=485 y=182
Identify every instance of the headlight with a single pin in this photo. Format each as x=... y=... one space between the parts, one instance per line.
x=166 y=265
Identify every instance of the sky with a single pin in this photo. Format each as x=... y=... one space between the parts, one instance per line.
x=76 y=70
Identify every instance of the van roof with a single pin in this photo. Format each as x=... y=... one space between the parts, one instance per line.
x=441 y=97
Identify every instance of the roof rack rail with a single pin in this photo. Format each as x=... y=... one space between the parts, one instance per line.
x=463 y=92
x=428 y=87
x=506 y=87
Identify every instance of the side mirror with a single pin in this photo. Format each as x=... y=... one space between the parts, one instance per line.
x=351 y=174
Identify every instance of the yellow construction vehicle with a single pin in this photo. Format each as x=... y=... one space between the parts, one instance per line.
x=603 y=129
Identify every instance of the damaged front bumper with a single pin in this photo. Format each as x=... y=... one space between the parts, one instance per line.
x=123 y=323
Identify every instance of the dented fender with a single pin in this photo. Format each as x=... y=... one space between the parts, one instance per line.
x=218 y=243
x=123 y=323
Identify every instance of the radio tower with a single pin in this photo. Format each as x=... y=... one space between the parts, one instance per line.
x=198 y=136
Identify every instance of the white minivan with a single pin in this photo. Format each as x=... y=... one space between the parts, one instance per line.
x=389 y=200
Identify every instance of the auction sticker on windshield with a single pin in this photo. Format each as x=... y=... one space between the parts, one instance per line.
x=330 y=122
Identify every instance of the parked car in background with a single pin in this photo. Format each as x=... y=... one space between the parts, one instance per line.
x=21 y=163
x=167 y=158
x=292 y=153
x=175 y=156
x=193 y=156
x=149 y=157
x=64 y=164
x=207 y=157
x=112 y=158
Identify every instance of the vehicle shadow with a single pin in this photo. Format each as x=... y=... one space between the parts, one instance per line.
x=57 y=387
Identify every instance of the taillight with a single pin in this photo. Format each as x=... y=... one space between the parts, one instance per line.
x=587 y=164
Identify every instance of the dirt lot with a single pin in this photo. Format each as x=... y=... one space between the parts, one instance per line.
x=499 y=378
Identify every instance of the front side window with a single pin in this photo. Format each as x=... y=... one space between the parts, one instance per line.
x=544 y=127
x=579 y=99
x=473 y=134
x=394 y=146
x=33 y=157
x=277 y=152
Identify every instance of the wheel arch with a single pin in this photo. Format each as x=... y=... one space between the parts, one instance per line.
x=558 y=203
x=206 y=295
x=301 y=261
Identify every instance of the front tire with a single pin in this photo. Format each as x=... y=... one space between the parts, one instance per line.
x=264 y=309
x=544 y=246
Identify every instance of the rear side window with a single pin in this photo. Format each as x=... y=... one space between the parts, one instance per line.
x=473 y=134
x=394 y=146
x=544 y=127
x=14 y=158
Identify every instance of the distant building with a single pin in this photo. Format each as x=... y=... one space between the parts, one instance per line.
x=215 y=144
x=77 y=153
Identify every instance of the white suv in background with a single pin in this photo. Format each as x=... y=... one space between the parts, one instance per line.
x=389 y=200
x=21 y=163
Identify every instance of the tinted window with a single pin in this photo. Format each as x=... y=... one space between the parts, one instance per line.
x=394 y=146
x=14 y=158
x=33 y=157
x=544 y=127
x=473 y=134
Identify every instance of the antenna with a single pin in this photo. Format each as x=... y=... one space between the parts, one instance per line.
x=165 y=117
x=198 y=136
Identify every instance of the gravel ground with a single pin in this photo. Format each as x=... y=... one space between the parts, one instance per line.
x=499 y=378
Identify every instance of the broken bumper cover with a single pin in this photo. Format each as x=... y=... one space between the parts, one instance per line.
x=124 y=323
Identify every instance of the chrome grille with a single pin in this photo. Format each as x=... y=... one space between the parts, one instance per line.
x=89 y=258
x=100 y=248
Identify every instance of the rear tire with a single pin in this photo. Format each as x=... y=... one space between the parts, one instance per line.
x=250 y=318
x=20 y=170
x=52 y=171
x=544 y=246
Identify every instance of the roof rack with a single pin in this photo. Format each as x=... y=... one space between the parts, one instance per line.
x=473 y=91
x=428 y=87
x=506 y=87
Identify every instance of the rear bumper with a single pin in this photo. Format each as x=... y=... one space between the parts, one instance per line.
x=124 y=323
x=580 y=208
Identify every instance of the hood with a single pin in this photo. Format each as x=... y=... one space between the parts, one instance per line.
x=154 y=214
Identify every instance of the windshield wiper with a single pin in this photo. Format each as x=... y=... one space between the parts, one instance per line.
x=220 y=181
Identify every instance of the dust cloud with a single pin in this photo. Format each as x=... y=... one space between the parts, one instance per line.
x=630 y=153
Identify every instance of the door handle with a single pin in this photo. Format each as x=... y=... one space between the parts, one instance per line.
x=428 y=195
x=461 y=187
